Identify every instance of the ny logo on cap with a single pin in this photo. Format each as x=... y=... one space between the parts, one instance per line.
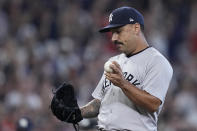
x=110 y=17
x=131 y=20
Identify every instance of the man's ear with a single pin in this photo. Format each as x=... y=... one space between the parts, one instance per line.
x=137 y=28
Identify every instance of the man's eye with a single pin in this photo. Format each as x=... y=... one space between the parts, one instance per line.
x=117 y=32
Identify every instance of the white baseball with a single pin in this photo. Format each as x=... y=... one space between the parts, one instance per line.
x=107 y=67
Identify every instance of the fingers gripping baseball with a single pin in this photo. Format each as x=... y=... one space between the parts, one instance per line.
x=116 y=65
x=116 y=68
x=116 y=77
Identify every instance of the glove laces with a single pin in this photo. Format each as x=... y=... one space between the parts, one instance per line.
x=75 y=125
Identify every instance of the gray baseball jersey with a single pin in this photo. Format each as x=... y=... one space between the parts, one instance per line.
x=148 y=70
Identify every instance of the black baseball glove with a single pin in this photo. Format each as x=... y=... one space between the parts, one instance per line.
x=64 y=104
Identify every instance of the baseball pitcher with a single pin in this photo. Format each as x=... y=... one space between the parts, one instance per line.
x=132 y=90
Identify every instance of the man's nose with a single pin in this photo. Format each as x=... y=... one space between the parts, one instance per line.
x=114 y=37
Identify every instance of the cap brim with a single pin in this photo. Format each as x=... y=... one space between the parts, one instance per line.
x=109 y=27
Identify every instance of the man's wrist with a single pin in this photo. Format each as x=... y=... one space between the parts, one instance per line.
x=126 y=84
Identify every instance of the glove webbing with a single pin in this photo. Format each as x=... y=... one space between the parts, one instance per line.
x=74 y=124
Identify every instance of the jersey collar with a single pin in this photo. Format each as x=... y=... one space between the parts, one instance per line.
x=129 y=55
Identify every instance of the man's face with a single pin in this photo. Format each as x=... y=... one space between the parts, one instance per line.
x=124 y=38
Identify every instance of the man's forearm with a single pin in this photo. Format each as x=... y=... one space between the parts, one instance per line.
x=91 y=109
x=141 y=98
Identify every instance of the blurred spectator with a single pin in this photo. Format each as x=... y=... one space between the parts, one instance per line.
x=24 y=124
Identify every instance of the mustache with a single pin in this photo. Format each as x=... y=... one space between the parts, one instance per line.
x=118 y=43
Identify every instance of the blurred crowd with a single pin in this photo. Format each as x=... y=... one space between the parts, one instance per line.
x=46 y=42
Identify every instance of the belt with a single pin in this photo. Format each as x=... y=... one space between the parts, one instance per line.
x=102 y=129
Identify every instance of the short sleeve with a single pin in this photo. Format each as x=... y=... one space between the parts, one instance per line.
x=98 y=93
x=158 y=78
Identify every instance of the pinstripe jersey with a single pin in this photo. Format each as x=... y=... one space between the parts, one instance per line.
x=148 y=70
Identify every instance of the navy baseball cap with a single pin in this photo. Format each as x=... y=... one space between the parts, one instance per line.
x=123 y=16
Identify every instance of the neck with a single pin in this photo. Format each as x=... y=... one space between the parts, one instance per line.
x=131 y=54
x=141 y=44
